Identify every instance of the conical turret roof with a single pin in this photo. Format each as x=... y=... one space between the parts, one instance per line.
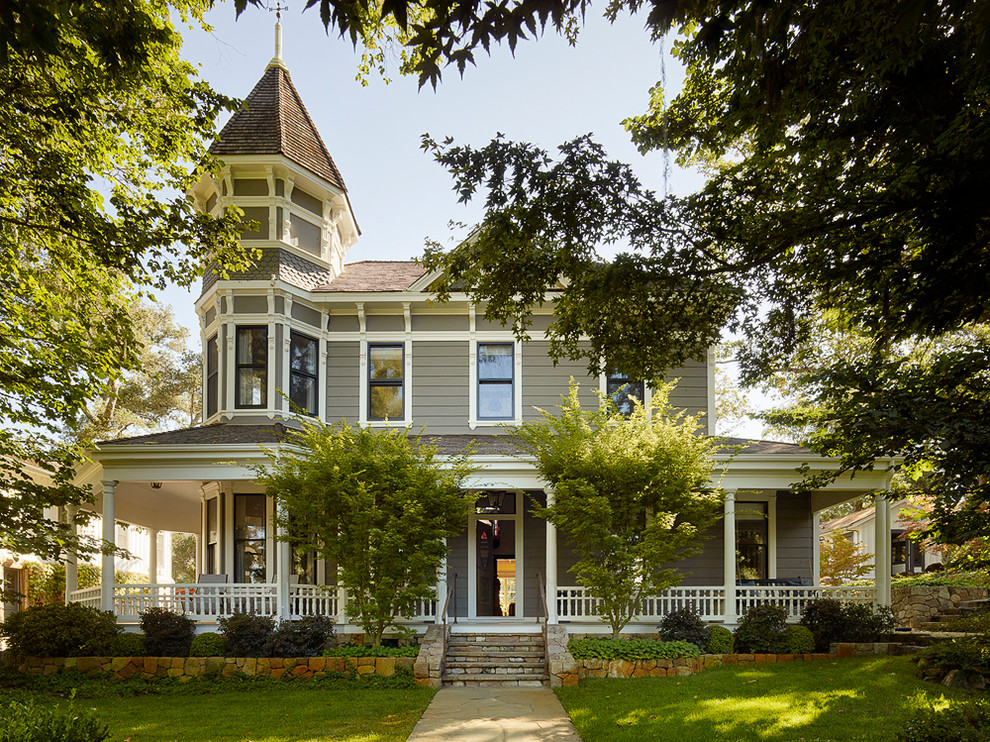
x=274 y=121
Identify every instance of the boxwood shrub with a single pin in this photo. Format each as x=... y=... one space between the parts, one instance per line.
x=684 y=624
x=208 y=644
x=128 y=645
x=167 y=634
x=720 y=640
x=800 y=640
x=630 y=649
x=303 y=638
x=72 y=630
x=247 y=634
x=763 y=630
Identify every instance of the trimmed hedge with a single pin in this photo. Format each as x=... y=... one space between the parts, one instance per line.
x=363 y=650
x=72 y=630
x=208 y=644
x=720 y=640
x=128 y=645
x=630 y=649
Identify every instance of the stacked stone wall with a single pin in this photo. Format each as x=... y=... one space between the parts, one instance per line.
x=193 y=667
x=921 y=603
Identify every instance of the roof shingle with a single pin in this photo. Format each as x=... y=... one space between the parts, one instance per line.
x=376 y=275
x=274 y=121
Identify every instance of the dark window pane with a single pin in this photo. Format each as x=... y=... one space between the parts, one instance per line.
x=385 y=362
x=303 y=354
x=250 y=513
x=386 y=402
x=212 y=376
x=495 y=401
x=252 y=387
x=302 y=393
x=620 y=388
x=212 y=355
x=252 y=345
x=494 y=361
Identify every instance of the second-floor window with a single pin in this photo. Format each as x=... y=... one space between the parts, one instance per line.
x=620 y=388
x=212 y=376
x=386 y=382
x=496 y=395
x=304 y=367
x=251 y=380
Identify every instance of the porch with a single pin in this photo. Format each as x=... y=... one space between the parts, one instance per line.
x=205 y=603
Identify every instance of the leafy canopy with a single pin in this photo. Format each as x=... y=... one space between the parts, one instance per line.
x=632 y=495
x=378 y=504
x=102 y=128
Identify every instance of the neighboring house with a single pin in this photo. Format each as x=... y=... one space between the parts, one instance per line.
x=366 y=342
x=907 y=556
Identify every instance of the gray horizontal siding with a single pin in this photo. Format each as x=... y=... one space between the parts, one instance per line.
x=794 y=536
x=440 y=386
x=534 y=557
x=544 y=383
x=691 y=392
x=440 y=323
x=343 y=381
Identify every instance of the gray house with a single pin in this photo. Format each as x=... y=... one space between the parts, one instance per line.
x=365 y=342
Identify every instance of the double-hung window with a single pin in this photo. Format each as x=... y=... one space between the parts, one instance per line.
x=620 y=388
x=752 y=540
x=304 y=364
x=212 y=376
x=386 y=382
x=496 y=388
x=252 y=367
x=250 y=521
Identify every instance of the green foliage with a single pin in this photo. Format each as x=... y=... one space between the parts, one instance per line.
x=184 y=557
x=763 y=630
x=955 y=722
x=167 y=634
x=799 y=640
x=631 y=495
x=367 y=650
x=840 y=559
x=832 y=621
x=128 y=644
x=720 y=640
x=72 y=630
x=303 y=638
x=29 y=722
x=102 y=124
x=969 y=654
x=46 y=581
x=630 y=649
x=684 y=624
x=978 y=623
x=376 y=503
x=247 y=634
x=979 y=578
x=208 y=644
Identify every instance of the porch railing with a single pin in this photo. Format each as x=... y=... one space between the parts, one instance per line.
x=205 y=602
x=575 y=604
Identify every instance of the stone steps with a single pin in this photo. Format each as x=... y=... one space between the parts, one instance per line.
x=495 y=659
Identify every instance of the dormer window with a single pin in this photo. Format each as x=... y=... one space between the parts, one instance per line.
x=620 y=388
x=251 y=371
x=304 y=367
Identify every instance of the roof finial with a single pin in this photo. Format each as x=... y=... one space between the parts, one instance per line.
x=276 y=61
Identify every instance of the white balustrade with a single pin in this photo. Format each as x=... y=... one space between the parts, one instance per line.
x=88 y=596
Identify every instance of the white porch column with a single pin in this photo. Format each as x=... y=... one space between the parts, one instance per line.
x=551 y=551
x=816 y=550
x=153 y=556
x=109 y=534
x=341 y=604
x=729 y=557
x=882 y=558
x=71 y=559
x=283 y=558
x=441 y=589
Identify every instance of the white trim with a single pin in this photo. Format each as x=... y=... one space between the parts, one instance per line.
x=472 y=556
x=474 y=421
x=711 y=416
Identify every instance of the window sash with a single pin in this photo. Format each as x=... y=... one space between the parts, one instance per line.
x=250 y=532
x=496 y=381
x=212 y=376
x=304 y=364
x=386 y=382
x=252 y=367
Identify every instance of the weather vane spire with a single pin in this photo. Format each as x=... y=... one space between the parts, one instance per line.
x=277 y=8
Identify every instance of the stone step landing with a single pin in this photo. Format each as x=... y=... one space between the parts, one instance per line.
x=495 y=659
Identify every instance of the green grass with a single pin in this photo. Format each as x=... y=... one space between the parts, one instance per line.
x=851 y=699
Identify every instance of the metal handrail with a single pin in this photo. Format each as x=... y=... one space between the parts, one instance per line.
x=543 y=596
x=451 y=589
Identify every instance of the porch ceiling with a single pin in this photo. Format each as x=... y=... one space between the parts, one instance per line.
x=173 y=507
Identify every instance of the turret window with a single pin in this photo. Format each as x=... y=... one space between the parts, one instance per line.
x=252 y=367
x=212 y=376
x=304 y=367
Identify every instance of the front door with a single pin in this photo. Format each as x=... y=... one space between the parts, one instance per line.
x=496 y=554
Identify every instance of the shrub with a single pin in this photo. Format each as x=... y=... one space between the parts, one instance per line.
x=366 y=650
x=72 y=630
x=832 y=621
x=686 y=625
x=247 y=634
x=962 y=722
x=303 y=638
x=763 y=630
x=128 y=645
x=968 y=655
x=167 y=634
x=720 y=640
x=800 y=640
x=208 y=644
x=630 y=649
x=26 y=722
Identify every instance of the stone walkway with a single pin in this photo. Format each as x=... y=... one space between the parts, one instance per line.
x=495 y=714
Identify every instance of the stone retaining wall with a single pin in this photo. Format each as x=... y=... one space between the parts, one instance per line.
x=568 y=674
x=918 y=604
x=194 y=667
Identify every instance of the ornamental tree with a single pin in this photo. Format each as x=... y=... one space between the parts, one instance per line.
x=377 y=503
x=632 y=495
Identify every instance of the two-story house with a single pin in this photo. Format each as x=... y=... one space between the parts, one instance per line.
x=366 y=342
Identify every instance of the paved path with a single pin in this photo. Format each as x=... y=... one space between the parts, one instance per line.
x=495 y=714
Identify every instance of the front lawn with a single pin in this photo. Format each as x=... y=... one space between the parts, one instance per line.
x=851 y=699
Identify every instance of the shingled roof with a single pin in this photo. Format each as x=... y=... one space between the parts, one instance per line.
x=274 y=121
x=376 y=275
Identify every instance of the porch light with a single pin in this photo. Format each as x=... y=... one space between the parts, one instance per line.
x=492 y=502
